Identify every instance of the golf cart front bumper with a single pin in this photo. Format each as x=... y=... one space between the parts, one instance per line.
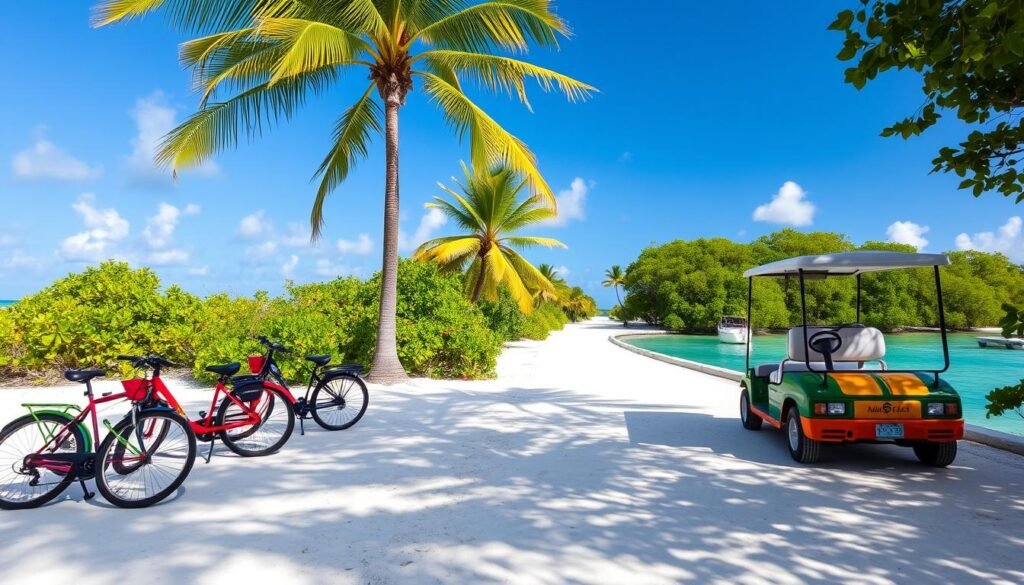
x=835 y=430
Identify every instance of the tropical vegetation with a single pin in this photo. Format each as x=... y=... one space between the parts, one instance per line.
x=89 y=318
x=970 y=54
x=258 y=61
x=689 y=285
x=615 y=277
x=492 y=212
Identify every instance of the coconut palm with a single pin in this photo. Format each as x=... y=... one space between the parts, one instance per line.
x=559 y=284
x=490 y=208
x=615 y=277
x=578 y=305
x=258 y=61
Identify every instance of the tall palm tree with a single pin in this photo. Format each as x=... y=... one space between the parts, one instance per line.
x=491 y=210
x=259 y=60
x=615 y=277
x=578 y=305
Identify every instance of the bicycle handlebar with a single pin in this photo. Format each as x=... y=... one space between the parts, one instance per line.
x=150 y=361
x=272 y=344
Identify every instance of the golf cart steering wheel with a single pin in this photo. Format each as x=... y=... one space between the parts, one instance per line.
x=826 y=343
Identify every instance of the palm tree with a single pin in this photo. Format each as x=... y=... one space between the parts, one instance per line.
x=560 y=287
x=615 y=277
x=492 y=212
x=579 y=305
x=259 y=60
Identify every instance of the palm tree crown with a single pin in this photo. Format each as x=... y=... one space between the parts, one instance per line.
x=258 y=61
x=490 y=208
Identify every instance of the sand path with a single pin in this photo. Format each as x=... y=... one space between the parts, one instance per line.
x=581 y=463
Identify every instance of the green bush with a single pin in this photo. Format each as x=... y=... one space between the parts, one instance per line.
x=503 y=316
x=544 y=319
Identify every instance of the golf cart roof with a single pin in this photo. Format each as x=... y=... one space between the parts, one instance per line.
x=847 y=263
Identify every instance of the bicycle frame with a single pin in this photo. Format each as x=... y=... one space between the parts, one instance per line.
x=205 y=424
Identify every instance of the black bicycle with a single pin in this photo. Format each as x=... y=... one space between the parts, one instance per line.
x=336 y=396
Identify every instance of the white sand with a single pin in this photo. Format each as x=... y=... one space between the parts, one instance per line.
x=582 y=463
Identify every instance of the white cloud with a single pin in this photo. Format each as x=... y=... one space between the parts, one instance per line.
x=253 y=226
x=106 y=227
x=199 y=270
x=288 y=268
x=431 y=221
x=626 y=156
x=1007 y=239
x=908 y=232
x=562 y=271
x=361 y=246
x=192 y=209
x=45 y=160
x=325 y=267
x=160 y=227
x=19 y=259
x=167 y=257
x=154 y=118
x=7 y=240
x=571 y=202
x=260 y=252
x=298 y=236
x=789 y=207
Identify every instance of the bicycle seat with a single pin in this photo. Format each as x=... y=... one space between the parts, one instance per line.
x=225 y=369
x=83 y=375
x=320 y=360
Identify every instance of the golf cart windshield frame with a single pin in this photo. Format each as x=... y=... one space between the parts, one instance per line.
x=801 y=273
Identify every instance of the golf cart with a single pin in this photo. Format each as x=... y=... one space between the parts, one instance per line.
x=833 y=385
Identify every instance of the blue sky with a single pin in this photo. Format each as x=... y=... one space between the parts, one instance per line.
x=729 y=120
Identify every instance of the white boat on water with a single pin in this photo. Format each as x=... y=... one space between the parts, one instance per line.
x=732 y=330
x=1004 y=342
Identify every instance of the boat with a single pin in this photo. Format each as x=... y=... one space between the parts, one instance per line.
x=732 y=330
x=1004 y=342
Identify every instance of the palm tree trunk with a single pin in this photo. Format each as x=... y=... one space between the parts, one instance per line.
x=386 y=368
x=479 y=286
x=622 y=310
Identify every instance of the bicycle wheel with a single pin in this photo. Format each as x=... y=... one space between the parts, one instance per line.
x=268 y=435
x=339 y=402
x=136 y=471
x=24 y=485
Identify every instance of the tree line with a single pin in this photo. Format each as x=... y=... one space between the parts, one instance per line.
x=687 y=285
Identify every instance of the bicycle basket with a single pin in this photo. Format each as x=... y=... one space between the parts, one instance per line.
x=247 y=388
x=135 y=389
x=256 y=363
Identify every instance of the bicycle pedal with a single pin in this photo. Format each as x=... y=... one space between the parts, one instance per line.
x=202 y=414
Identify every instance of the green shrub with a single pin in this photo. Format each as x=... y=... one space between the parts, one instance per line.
x=674 y=323
x=503 y=316
x=547 y=317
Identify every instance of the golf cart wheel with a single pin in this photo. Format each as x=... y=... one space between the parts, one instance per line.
x=936 y=454
x=801 y=448
x=750 y=421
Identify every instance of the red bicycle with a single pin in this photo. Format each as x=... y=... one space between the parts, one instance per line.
x=42 y=452
x=250 y=418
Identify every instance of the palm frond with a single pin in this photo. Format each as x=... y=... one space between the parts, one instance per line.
x=532 y=278
x=448 y=250
x=191 y=15
x=310 y=45
x=532 y=241
x=460 y=216
x=508 y=24
x=218 y=126
x=490 y=144
x=502 y=271
x=352 y=137
x=504 y=74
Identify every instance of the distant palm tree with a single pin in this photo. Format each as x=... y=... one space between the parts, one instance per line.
x=490 y=209
x=615 y=277
x=559 y=284
x=578 y=305
x=269 y=56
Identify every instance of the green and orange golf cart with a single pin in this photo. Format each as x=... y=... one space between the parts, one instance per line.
x=834 y=386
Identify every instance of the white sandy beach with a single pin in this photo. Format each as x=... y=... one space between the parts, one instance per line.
x=581 y=463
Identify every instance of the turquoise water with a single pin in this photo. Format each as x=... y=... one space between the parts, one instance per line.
x=973 y=371
x=4 y=303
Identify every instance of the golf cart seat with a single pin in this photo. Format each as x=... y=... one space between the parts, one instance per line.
x=860 y=344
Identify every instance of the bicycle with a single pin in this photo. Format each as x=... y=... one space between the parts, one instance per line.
x=244 y=417
x=43 y=452
x=336 y=397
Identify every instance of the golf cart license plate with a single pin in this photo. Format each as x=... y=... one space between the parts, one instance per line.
x=889 y=431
